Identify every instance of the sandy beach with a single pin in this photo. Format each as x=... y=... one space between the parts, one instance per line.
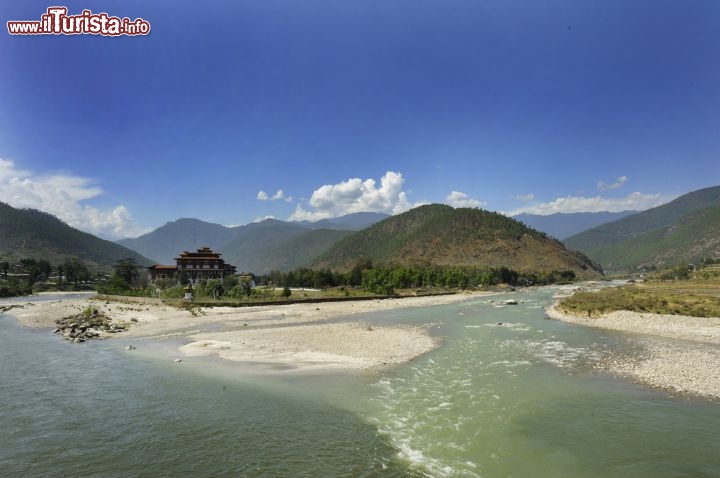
x=296 y=336
x=677 y=353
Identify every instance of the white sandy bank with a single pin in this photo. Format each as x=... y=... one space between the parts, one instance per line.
x=295 y=335
x=680 y=353
x=352 y=345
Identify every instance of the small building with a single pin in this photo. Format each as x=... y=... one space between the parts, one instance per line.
x=161 y=272
x=200 y=265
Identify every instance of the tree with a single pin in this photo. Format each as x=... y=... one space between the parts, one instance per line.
x=229 y=281
x=286 y=292
x=215 y=287
x=44 y=269
x=127 y=270
x=60 y=273
x=246 y=284
x=115 y=285
x=17 y=286
x=75 y=270
x=166 y=283
x=29 y=266
x=183 y=278
x=4 y=268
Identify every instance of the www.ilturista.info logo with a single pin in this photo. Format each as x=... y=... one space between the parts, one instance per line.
x=57 y=22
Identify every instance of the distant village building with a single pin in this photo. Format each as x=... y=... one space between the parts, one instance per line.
x=201 y=265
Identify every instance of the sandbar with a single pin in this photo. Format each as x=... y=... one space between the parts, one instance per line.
x=297 y=336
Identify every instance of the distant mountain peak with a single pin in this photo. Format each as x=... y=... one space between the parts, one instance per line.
x=565 y=224
x=250 y=244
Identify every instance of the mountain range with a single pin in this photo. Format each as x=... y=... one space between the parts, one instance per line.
x=434 y=234
x=562 y=225
x=258 y=247
x=686 y=229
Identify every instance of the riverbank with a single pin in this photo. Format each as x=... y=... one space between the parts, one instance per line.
x=295 y=336
x=677 y=353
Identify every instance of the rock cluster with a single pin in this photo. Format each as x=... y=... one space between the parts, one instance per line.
x=89 y=324
x=7 y=308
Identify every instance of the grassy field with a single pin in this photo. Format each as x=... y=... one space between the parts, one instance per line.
x=694 y=297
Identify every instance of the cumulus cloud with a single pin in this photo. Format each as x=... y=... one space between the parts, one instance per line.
x=460 y=199
x=632 y=202
x=356 y=195
x=278 y=196
x=525 y=197
x=62 y=195
x=603 y=186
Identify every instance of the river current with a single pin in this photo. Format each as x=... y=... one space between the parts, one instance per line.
x=508 y=394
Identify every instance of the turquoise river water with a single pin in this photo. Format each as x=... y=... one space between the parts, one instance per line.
x=516 y=399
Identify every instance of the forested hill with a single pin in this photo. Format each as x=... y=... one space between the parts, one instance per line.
x=28 y=233
x=646 y=221
x=682 y=230
x=694 y=238
x=438 y=234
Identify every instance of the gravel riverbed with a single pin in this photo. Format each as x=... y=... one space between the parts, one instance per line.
x=676 y=353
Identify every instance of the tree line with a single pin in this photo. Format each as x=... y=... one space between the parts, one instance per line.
x=128 y=278
x=385 y=279
x=21 y=277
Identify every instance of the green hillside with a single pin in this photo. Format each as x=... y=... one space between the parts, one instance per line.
x=637 y=224
x=294 y=252
x=256 y=242
x=34 y=234
x=438 y=234
x=693 y=238
x=683 y=230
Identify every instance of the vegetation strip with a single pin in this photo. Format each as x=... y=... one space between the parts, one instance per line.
x=693 y=298
x=314 y=300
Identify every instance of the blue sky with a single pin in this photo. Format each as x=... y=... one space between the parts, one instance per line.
x=234 y=111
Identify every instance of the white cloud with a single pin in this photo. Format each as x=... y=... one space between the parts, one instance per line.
x=460 y=199
x=603 y=186
x=632 y=202
x=525 y=197
x=279 y=195
x=264 y=218
x=356 y=195
x=62 y=195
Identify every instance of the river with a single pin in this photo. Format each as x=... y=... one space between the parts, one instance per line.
x=508 y=394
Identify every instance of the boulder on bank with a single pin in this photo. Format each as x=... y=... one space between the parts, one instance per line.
x=88 y=324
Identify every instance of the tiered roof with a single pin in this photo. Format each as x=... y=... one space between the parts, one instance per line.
x=202 y=253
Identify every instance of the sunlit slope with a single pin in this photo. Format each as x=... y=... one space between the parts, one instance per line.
x=439 y=234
